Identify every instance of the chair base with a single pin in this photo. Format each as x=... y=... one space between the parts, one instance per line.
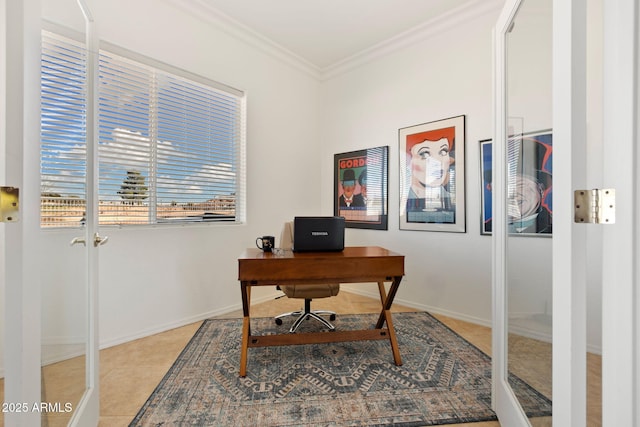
x=305 y=314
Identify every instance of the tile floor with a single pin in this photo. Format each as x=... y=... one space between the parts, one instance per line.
x=130 y=372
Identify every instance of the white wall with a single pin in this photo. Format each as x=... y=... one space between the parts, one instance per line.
x=154 y=278
x=448 y=74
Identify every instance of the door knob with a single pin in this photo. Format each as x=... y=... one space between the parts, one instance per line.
x=77 y=240
x=98 y=241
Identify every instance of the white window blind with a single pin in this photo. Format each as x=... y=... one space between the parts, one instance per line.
x=63 y=133
x=170 y=147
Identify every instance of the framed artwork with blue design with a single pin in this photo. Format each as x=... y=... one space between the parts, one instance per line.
x=529 y=184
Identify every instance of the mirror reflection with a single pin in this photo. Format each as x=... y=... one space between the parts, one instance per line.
x=529 y=203
x=63 y=266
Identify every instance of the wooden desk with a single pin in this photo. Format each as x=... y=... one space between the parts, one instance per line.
x=353 y=265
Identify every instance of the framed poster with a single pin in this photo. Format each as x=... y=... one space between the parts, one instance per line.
x=361 y=188
x=432 y=194
x=529 y=184
x=486 y=175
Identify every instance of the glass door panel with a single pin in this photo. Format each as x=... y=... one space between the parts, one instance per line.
x=522 y=189
x=529 y=153
x=68 y=260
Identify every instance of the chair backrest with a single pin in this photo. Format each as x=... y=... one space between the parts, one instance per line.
x=306 y=291
x=286 y=237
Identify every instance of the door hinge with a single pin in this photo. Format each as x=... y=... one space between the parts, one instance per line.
x=597 y=206
x=9 y=204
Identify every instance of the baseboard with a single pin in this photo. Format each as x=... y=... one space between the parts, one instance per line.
x=66 y=354
x=182 y=322
x=412 y=304
x=358 y=290
x=526 y=332
x=164 y=327
x=57 y=349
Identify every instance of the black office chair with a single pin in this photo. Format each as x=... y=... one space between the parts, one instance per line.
x=307 y=292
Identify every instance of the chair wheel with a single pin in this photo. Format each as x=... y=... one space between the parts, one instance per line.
x=278 y=321
x=332 y=317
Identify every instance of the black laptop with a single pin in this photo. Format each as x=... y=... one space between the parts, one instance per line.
x=318 y=233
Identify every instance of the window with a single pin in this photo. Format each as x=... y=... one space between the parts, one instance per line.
x=170 y=144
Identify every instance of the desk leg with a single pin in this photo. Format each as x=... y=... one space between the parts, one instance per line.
x=385 y=316
x=246 y=327
x=387 y=300
x=383 y=300
x=393 y=339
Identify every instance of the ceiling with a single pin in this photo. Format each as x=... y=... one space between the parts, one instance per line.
x=326 y=32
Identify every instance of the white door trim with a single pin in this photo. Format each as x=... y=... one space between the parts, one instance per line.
x=22 y=281
x=88 y=411
x=569 y=239
x=620 y=241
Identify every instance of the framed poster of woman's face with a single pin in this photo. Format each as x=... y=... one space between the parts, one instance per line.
x=432 y=176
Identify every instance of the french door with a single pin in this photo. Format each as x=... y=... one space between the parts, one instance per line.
x=523 y=91
x=50 y=277
x=88 y=410
x=616 y=169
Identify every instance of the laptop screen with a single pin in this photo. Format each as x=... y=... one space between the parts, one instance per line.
x=318 y=233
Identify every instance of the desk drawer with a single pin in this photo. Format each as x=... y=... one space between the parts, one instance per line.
x=339 y=270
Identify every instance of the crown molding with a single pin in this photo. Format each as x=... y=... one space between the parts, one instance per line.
x=421 y=32
x=200 y=9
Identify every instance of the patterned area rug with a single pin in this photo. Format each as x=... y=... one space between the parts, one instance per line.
x=443 y=380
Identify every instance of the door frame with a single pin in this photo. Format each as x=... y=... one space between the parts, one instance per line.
x=620 y=274
x=88 y=410
x=22 y=282
x=620 y=248
x=569 y=239
x=22 y=312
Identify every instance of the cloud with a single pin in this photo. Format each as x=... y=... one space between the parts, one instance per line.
x=182 y=171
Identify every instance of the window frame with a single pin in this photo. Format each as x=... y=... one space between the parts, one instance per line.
x=238 y=147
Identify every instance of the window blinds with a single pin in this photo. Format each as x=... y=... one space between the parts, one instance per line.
x=62 y=132
x=170 y=147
